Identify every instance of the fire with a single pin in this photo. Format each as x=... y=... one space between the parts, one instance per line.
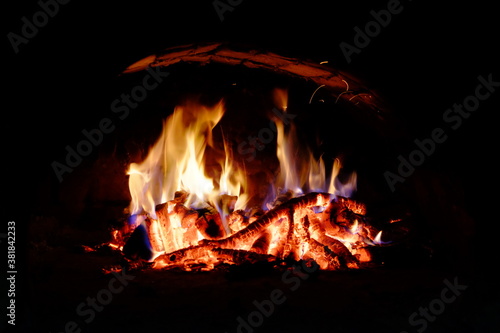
x=300 y=170
x=192 y=198
x=176 y=161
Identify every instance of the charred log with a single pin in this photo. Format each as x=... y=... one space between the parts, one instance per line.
x=261 y=245
x=209 y=224
x=239 y=257
x=250 y=233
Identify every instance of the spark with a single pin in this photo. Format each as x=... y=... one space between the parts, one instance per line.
x=346 y=91
x=314 y=93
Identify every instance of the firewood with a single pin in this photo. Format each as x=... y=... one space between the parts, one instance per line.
x=344 y=211
x=336 y=246
x=190 y=235
x=239 y=257
x=254 y=229
x=209 y=255
x=153 y=230
x=169 y=222
x=237 y=221
x=261 y=245
x=292 y=230
x=180 y=256
x=181 y=197
x=345 y=256
x=284 y=232
x=326 y=258
x=209 y=224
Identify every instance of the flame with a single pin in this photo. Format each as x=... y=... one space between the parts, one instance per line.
x=354 y=229
x=378 y=239
x=300 y=171
x=233 y=180
x=316 y=179
x=281 y=98
x=176 y=161
x=287 y=154
x=338 y=188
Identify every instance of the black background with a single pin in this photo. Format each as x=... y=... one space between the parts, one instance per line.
x=426 y=59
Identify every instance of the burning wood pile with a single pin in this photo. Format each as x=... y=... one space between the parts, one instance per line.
x=313 y=226
x=193 y=221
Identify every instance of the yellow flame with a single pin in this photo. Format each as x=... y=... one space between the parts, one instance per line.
x=335 y=172
x=341 y=189
x=233 y=179
x=355 y=227
x=281 y=98
x=287 y=156
x=316 y=174
x=176 y=160
x=299 y=169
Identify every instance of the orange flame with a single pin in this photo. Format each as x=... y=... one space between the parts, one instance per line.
x=176 y=161
x=299 y=169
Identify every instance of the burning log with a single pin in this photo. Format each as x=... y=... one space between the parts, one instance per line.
x=325 y=257
x=344 y=256
x=153 y=231
x=284 y=244
x=179 y=257
x=250 y=233
x=240 y=257
x=261 y=245
x=257 y=238
x=334 y=238
x=237 y=221
x=210 y=256
x=345 y=211
x=334 y=245
x=173 y=219
x=209 y=224
x=294 y=212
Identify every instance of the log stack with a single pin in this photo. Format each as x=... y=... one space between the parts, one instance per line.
x=333 y=232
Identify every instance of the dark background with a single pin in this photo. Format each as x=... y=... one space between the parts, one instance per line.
x=428 y=58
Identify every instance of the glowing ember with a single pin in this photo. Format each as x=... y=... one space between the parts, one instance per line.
x=197 y=220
